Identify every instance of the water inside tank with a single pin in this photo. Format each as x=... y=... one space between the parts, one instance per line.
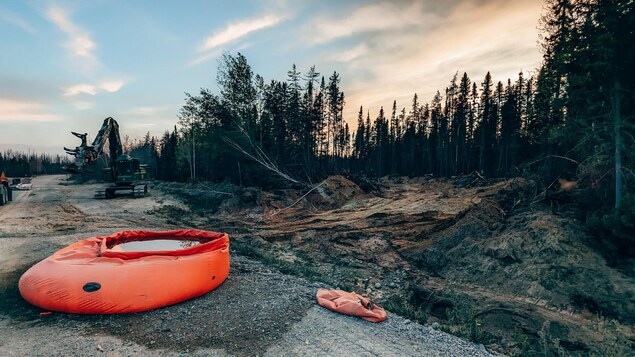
x=153 y=245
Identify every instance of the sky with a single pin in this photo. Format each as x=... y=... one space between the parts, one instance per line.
x=68 y=64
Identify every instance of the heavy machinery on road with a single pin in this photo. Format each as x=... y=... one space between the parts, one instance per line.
x=127 y=173
x=5 y=190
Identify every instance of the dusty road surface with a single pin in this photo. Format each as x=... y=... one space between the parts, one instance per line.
x=257 y=310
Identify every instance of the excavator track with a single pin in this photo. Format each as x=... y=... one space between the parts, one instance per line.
x=101 y=193
x=139 y=190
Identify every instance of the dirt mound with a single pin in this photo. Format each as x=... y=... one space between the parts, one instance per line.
x=208 y=197
x=534 y=254
x=530 y=272
x=334 y=192
x=366 y=184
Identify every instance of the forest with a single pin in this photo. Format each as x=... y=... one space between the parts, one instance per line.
x=19 y=164
x=571 y=119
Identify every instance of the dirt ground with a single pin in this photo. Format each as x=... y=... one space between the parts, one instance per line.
x=486 y=260
x=258 y=310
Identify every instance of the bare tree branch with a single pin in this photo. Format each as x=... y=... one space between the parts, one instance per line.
x=605 y=174
x=554 y=156
x=259 y=156
x=299 y=199
x=209 y=189
x=629 y=170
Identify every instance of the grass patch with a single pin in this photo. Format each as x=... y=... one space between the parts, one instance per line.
x=172 y=214
x=457 y=313
x=255 y=251
x=340 y=275
x=462 y=320
x=401 y=304
x=203 y=198
x=615 y=342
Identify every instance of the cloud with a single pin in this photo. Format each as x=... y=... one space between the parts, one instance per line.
x=24 y=110
x=79 y=43
x=81 y=105
x=213 y=45
x=111 y=86
x=153 y=119
x=146 y=111
x=239 y=29
x=476 y=37
x=93 y=89
x=143 y=125
x=206 y=57
x=349 y=55
x=14 y=19
x=370 y=18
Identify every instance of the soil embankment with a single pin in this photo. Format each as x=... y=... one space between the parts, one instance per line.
x=484 y=260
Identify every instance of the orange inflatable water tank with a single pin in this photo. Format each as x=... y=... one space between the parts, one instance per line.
x=94 y=276
x=351 y=304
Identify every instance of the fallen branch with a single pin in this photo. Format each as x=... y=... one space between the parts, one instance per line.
x=595 y=182
x=496 y=205
x=209 y=189
x=261 y=158
x=539 y=198
x=479 y=175
x=554 y=156
x=298 y=200
x=552 y=183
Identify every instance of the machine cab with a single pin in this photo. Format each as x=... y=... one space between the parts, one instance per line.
x=127 y=171
x=127 y=166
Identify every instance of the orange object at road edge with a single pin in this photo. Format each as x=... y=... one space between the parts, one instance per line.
x=350 y=304
x=88 y=278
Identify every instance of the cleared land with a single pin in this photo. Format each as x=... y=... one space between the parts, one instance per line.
x=497 y=262
x=257 y=311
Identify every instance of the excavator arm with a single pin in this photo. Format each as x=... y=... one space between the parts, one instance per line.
x=86 y=155
x=127 y=173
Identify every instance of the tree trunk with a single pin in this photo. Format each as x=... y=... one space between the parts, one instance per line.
x=617 y=121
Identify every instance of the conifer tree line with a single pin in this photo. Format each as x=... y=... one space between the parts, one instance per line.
x=299 y=126
x=19 y=164
x=472 y=126
x=572 y=118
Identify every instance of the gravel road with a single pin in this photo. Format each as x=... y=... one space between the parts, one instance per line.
x=257 y=311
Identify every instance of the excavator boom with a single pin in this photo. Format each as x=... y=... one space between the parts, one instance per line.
x=124 y=171
x=86 y=155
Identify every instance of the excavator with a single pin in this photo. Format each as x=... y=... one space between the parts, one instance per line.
x=126 y=172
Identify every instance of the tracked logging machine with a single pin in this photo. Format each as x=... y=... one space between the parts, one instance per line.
x=127 y=173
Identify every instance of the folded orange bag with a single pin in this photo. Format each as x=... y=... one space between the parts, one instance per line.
x=350 y=304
